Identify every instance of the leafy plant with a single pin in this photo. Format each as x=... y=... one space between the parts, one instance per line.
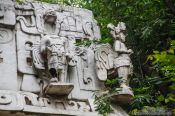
x=88 y=42
x=103 y=98
x=103 y=104
x=165 y=64
x=145 y=93
x=148 y=110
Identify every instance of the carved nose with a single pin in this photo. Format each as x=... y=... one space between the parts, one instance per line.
x=54 y=54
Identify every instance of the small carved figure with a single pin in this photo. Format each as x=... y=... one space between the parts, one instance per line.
x=53 y=57
x=54 y=52
x=116 y=60
x=122 y=64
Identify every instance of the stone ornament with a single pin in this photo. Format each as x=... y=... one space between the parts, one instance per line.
x=116 y=60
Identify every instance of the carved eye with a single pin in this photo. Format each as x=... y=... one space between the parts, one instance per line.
x=28 y=45
x=29 y=61
x=3 y=97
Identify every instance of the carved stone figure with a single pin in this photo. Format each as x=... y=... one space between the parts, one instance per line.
x=122 y=63
x=53 y=50
x=51 y=58
x=116 y=61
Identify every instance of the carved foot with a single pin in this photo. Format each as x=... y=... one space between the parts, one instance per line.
x=53 y=80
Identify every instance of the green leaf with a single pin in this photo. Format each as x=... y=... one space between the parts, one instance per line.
x=156 y=52
x=161 y=98
x=167 y=100
x=172 y=87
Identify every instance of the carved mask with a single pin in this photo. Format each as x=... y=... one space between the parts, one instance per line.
x=50 y=17
x=54 y=50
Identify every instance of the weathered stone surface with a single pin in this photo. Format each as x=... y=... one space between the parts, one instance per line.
x=30 y=103
x=30 y=83
x=8 y=63
x=42 y=71
x=7 y=13
x=59 y=89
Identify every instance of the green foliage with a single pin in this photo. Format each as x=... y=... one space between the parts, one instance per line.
x=150 y=25
x=76 y=3
x=53 y=1
x=87 y=42
x=103 y=104
x=144 y=93
x=164 y=64
x=147 y=111
x=19 y=1
x=113 y=83
x=103 y=98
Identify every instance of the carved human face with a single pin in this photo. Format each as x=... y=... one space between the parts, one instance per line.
x=121 y=31
x=50 y=17
x=56 y=54
x=113 y=34
x=112 y=30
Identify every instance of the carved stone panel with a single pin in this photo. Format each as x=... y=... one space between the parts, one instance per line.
x=7 y=13
x=8 y=63
x=42 y=70
x=10 y=100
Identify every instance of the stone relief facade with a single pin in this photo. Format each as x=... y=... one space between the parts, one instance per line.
x=41 y=68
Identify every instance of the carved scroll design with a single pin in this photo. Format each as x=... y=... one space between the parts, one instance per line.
x=5 y=35
x=81 y=106
x=27 y=28
x=37 y=58
x=5 y=99
x=104 y=57
x=87 y=80
x=10 y=100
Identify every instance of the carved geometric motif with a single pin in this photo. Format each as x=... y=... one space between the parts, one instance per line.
x=5 y=35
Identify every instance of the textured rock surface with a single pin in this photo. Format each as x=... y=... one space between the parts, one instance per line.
x=39 y=61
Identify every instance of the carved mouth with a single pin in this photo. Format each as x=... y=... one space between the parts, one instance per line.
x=53 y=72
